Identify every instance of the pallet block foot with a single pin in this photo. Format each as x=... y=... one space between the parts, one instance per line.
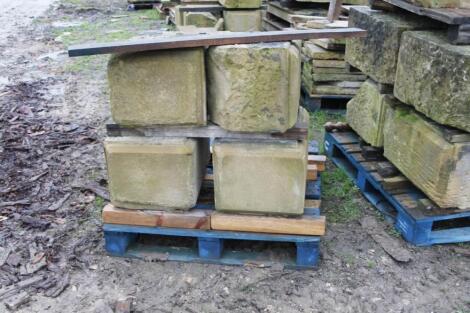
x=307 y=254
x=117 y=242
x=210 y=248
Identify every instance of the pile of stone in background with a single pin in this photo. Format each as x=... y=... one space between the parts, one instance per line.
x=415 y=106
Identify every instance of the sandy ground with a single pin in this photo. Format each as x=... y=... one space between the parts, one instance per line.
x=36 y=82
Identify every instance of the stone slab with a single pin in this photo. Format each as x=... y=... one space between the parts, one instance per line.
x=418 y=148
x=337 y=77
x=243 y=20
x=155 y=173
x=376 y=54
x=433 y=76
x=255 y=87
x=260 y=177
x=200 y=19
x=440 y=3
x=366 y=113
x=146 y=88
x=315 y=52
x=240 y=4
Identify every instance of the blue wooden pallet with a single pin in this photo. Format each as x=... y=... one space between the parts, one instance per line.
x=122 y=240
x=419 y=226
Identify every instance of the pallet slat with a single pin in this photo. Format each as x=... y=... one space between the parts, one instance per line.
x=305 y=225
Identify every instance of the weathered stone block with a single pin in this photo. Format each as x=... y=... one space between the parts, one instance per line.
x=376 y=54
x=200 y=19
x=260 y=176
x=315 y=52
x=433 y=76
x=418 y=148
x=366 y=113
x=155 y=173
x=254 y=88
x=243 y=20
x=240 y=4
x=163 y=87
x=440 y=3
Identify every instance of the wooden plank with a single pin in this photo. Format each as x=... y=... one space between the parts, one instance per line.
x=311 y=203
x=396 y=182
x=209 y=131
x=305 y=225
x=312 y=172
x=334 y=10
x=193 y=219
x=223 y=38
x=318 y=160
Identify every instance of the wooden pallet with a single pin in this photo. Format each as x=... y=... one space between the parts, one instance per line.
x=419 y=220
x=333 y=103
x=457 y=19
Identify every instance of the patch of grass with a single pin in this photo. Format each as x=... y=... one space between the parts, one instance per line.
x=370 y=264
x=99 y=203
x=393 y=232
x=317 y=120
x=341 y=197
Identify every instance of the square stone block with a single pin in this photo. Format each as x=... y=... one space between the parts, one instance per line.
x=419 y=148
x=254 y=87
x=243 y=20
x=241 y=4
x=433 y=76
x=158 y=88
x=260 y=176
x=366 y=112
x=155 y=173
x=376 y=54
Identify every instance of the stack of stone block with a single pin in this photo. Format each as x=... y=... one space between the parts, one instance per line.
x=200 y=18
x=325 y=72
x=246 y=88
x=242 y=15
x=416 y=103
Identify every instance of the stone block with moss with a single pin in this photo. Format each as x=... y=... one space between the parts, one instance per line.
x=376 y=54
x=264 y=177
x=255 y=87
x=419 y=148
x=243 y=20
x=240 y=4
x=155 y=173
x=366 y=112
x=434 y=77
x=158 y=88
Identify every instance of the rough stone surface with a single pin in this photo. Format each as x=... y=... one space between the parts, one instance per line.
x=240 y=4
x=440 y=3
x=376 y=54
x=315 y=52
x=366 y=113
x=200 y=19
x=243 y=20
x=260 y=177
x=254 y=87
x=155 y=173
x=434 y=77
x=418 y=148
x=163 y=87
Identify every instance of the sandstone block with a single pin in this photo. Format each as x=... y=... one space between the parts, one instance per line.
x=260 y=176
x=155 y=173
x=376 y=54
x=243 y=20
x=316 y=52
x=366 y=113
x=157 y=88
x=200 y=19
x=433 y=76
x=240 y=4
x=419 y=149
x=254 y=88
